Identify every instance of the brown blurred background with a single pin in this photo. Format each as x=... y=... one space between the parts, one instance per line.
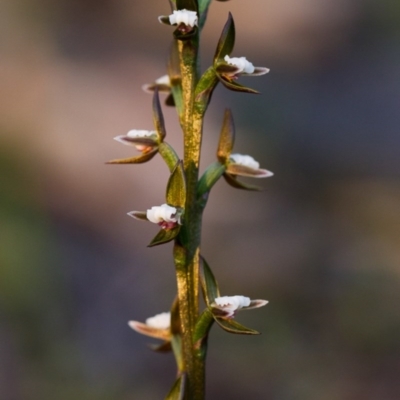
x=321 y=242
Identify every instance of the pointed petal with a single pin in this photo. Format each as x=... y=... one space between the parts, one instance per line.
x=231 y=180
x=146 y=330
x=208 y=282
x=133 y=141
x=226 y=138
x=135 y=160
x=259 y=71
x=165 y=236
x=226 y=41
x=178 y=390
x=158 y=117
x=140 y=215
x=256 y=304
x=242 y=170
x=232 y=326
x=164 y=19
x=237 y=87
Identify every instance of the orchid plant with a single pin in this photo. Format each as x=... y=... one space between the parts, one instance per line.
x=185 y=329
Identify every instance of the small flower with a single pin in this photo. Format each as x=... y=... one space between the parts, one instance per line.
x=247 y=161
x=241 y=63
x=165 y=216
x=163 y=83
x=185 y=17
x=157 y=326
x=144 y=141
x=245 y=165
x=234 y=67
x=227 y=306
x=160 y=321
x=186 y=21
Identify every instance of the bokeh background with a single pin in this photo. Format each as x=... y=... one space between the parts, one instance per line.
x=321 y=242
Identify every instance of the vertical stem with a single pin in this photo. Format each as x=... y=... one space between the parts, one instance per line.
x=187 y=250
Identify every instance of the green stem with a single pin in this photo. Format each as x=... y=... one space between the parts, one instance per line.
x=187 y=249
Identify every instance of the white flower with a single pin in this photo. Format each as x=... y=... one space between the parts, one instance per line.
x=246 y=161
x=157 y=327
x=165 y=216
x=163 y=80
x=186 y=17
x=229 y=305
x=160 y=321
x=241 y=63
x=137 y=133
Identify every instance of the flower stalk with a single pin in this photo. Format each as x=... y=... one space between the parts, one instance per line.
x=186 y=329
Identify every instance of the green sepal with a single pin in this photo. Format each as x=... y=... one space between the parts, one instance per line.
x=158 y=116
x=190 y=5
x=237 y=87
x=242 y=170
x=231 y=326
x=176 y=187
x=231 y=180
x=208 y=282
x=164 y=347
x=226 y=41
x=169 y=155
x=205 y=89
x=178 y=390
x=165 y=236
x=135 y=160
x=201 y=331
x=209 y=178
x=226 y=138
x=174 y=73
x=203 y=326
x=203 y=10
x=176 y=341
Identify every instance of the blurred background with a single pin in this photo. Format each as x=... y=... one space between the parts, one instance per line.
x=321 y=242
